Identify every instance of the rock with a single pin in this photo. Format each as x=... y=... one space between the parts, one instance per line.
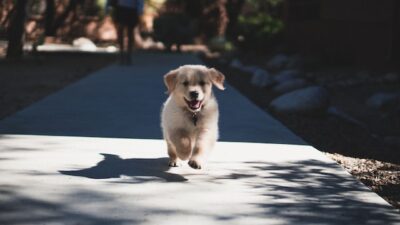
x=111 y=48
x=277 y=62
x=312 y=100
x=392 y=141
x=261 y=78
x=295 y=62
x=84 y=44
x=392 y=77
x=287 y=75
x=384 y=100
x=309 y=75
x=290 y=85
x=348 y=83
x=364 y=75
x=250 y=69
x=236 y=63
x=346 y=117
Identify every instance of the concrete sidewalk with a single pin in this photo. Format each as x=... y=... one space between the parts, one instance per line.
x=91 y=154
x=125 y=102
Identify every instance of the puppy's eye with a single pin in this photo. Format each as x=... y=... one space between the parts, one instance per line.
x=185 y=83
x=202 y=83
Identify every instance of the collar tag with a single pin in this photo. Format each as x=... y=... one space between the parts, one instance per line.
x=194 y=119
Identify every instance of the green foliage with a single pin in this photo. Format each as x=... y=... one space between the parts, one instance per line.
x=263 y=3
x=154 y=6
x=99 y=8
x=260 y=26
x=220 y=44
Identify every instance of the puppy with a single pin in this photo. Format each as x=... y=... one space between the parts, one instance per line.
x=189 y=118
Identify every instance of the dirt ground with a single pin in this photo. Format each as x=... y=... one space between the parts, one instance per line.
x=358 y=149
x=27 y=81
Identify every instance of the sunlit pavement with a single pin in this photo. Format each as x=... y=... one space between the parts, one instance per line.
x=92 y=154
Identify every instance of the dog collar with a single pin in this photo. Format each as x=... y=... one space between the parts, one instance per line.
x=194 y=119
x=194 y=116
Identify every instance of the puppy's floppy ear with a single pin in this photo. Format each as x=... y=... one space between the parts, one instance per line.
x=170 y=80
x=217 y=78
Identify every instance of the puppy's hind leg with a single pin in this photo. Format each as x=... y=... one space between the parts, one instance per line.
x=183 y=144
x=173 y=158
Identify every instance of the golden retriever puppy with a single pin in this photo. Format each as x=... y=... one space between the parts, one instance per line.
x=189 y=117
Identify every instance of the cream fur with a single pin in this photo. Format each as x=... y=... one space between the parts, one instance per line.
x=185 y=140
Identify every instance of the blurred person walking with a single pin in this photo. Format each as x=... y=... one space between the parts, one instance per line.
x=126 y=14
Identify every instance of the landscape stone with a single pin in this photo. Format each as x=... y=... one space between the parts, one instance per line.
x=312 y=100
x=84 y=44
x=296 y=61
x=236 y=63
x=392 y=77
x=286 y=75
x=364 y=74
x=383 y=100
x=261 y=78
x=290 y=85
x=250 y=69
x=345 y=116
x=279 y=61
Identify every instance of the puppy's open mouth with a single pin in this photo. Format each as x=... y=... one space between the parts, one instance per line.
x=194 y=104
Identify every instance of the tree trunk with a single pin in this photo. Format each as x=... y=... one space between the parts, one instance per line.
x=59 y=21
x=395 y=52
x=49 y=18
x=233 y=8
x=16 y=31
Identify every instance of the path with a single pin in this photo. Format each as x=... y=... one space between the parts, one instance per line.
x=91 y=154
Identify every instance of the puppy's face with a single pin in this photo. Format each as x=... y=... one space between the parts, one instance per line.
x=191 y=85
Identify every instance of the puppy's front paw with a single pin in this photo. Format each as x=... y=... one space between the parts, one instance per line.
x=173 y=163
x=194 y=164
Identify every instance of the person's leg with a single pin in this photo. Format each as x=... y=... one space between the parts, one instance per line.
x=130 y=44
x=120 y=36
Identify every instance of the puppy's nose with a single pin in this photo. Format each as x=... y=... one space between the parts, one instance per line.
x=194 y=94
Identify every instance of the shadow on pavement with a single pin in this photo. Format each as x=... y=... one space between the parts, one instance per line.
x=17 y=208
x=303 y=192
x=141 y=169
x=310 y=192
x=312 y=195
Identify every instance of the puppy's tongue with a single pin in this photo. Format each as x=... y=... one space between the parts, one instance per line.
x=194 y=104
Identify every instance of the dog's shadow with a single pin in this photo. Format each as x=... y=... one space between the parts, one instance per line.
x=140 y=169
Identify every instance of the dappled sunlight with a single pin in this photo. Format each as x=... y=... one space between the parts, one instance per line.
x=21 y=208
x=248 y=183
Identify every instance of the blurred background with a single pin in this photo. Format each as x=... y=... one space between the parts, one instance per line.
x=327 y=69
x=165 y=24
x=361 y=32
